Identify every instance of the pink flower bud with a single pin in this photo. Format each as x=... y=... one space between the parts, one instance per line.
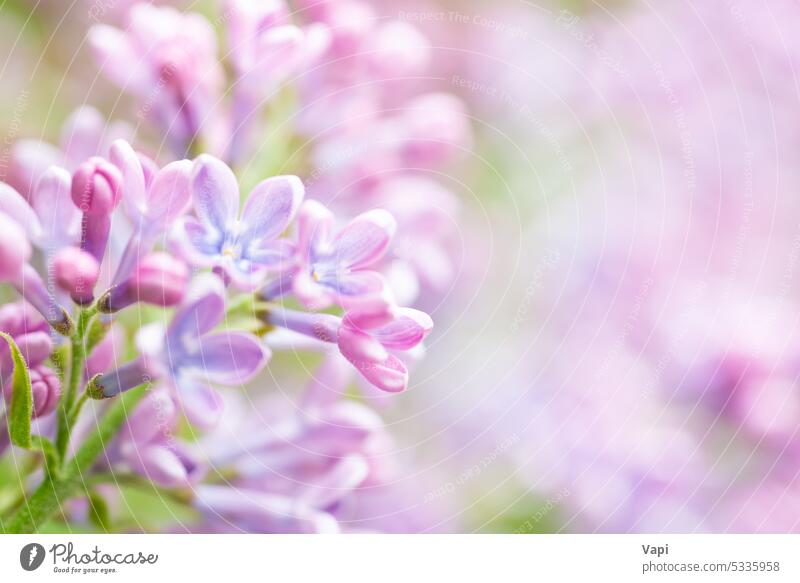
x=96 y=187
x=160 y=279
x=46 y=390
x=76 y=273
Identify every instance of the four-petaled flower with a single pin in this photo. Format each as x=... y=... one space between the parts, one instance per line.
x=242 y=249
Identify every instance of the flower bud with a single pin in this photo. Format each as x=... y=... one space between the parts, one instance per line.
x=96 y=187
x=160 y=279
x=76 y=273
x=46 y=390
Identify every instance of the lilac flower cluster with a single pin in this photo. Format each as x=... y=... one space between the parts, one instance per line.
x=104 y=244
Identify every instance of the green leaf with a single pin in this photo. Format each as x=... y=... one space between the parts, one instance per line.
x=19 y=416
x=99 y=513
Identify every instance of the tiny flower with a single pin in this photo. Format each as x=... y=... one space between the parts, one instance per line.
x=336 y=269
x=76 y=273
x=187 y=354
x=159 y=279
x=241 y=249
x=96 y=189
x=45 y=389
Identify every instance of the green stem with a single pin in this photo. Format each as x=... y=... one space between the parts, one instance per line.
x=46 y=501
x=66 y=416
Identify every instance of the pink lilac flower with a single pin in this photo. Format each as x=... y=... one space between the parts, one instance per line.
x=292 y=469
x=186 y=355
x=337 y=268
x=168 y=60
x=243 y=248
x=45 y=390
x=369 y=340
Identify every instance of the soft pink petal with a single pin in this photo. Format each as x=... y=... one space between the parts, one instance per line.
x=365 y=239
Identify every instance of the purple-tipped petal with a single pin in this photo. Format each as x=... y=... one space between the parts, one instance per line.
x=215 y=193
x=270 y=207
x=365 y=240
x=230 y=358
x=407 y=331
x=201 y=404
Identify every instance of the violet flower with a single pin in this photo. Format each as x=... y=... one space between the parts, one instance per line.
x=336 y=269
x=290 y=470
x=159 y=279
x=148 y=444
x=187 y=354
x=244 y=249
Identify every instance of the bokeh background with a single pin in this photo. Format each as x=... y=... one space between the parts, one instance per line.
x=618 y=348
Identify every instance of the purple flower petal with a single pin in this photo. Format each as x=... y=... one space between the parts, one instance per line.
x=360 y=289
x=161 y=464
x=407 y=331
x=169 y=193
x=360 y=348
x=201 y=311
x=365 y=239
x=270 y=208
x=195 y=242
x=314 y=225
x=230 y=358
x=215 y=193
x=200 y=403
x=276 y=255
